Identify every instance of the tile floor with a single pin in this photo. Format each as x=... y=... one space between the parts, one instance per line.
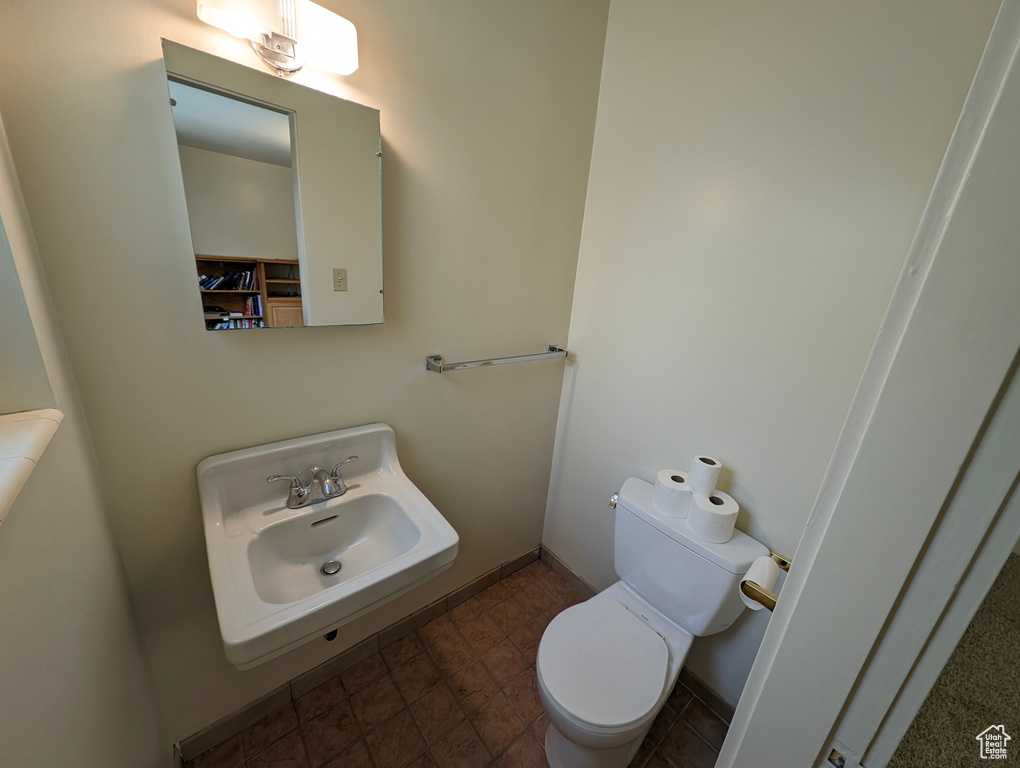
x=458 y=693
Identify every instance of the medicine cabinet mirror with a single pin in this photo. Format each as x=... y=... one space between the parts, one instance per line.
x=283 y=191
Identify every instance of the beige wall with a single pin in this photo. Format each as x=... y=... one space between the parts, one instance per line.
x=487 y=118
x=239 y=207
x=24 y=386
x=757 y=174
x=75 y=687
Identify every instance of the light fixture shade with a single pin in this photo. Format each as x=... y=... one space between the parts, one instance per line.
x=248 y=19
x=325 y=40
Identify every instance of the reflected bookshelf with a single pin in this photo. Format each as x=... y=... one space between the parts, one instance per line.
x=239 y=292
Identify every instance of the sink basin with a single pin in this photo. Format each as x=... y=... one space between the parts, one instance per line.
x=284 y=576
x=286 y=558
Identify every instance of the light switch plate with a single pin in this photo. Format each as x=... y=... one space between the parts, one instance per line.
x=339 y=279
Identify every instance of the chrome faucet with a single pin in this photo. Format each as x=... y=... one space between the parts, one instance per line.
x=325 y=485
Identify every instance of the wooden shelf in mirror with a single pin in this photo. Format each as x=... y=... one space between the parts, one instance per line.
x=259 y=293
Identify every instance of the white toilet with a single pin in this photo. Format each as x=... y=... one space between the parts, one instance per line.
x=605 y=667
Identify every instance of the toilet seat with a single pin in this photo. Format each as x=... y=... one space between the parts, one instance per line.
x=603 y=665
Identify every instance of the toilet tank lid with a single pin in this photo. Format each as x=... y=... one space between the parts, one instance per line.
x=735 y=556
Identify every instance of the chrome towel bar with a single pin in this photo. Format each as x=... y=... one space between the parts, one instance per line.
x=435 y=362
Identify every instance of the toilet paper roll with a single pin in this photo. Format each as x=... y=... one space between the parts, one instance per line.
x=704 y=475
x=712 y=517
x=763 y=571
x=672 y=495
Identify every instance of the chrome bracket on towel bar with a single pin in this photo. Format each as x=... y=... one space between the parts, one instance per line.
x=760 y=594
x=435 y=362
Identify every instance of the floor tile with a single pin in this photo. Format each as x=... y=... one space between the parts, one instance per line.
x=569 y=599
x=482 y=633
x=497 y=593
x=664 y=721
x=330 y=732
x=473 y=686
x=523 y=695
x=225 y=755
x=683 y=747
x=402 y=651
x=550 y=581
x=435 y=629
x=657 y=761
x=460 y=749
x=497 y=724
x=395 y=742
x=504 y=662
x=451 y=653
x=518 y=579
x=466 y=611
x=510 y=614
x=436 y=713
x=379 y=702
x=533 y=597
x=680 y=697
x=269 y=729
x=417 y=677
x=423 y=761
x=706 y=723
x=355 y=756
x=527 y=638
x=319 y=699
x=644 y=753
x=548 y=615
x=539 y=728
x=364 y=673
x=523 y=753
x=288 y=752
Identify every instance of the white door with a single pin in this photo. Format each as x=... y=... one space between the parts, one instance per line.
x=937 y=376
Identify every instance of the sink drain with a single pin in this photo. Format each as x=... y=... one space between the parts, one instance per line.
x=331 y=567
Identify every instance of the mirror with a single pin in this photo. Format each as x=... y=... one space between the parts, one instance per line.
x=283 y=191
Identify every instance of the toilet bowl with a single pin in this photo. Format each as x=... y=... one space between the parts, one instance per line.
x=606 y=666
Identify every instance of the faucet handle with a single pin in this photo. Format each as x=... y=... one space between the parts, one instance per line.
x=336 y=469
x=295 y=482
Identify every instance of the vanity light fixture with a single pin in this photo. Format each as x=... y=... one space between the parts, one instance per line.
x=287 y=34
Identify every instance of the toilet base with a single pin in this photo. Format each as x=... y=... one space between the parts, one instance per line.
x=561 y=752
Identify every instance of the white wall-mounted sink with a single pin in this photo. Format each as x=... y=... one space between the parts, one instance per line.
x=266 y=561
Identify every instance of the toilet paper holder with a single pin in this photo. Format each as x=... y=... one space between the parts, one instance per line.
x=758 y=593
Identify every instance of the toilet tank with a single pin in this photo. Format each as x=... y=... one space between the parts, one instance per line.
x=693 y=583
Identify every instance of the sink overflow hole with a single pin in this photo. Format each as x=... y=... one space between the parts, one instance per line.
x=331 y=567
x=324 y=520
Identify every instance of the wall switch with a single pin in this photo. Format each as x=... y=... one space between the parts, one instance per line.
x=339 y=279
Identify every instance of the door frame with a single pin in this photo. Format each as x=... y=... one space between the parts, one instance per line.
x=938 y=368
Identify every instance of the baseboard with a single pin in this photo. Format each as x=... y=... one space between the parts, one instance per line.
x=708 y=697
x=583 y=588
